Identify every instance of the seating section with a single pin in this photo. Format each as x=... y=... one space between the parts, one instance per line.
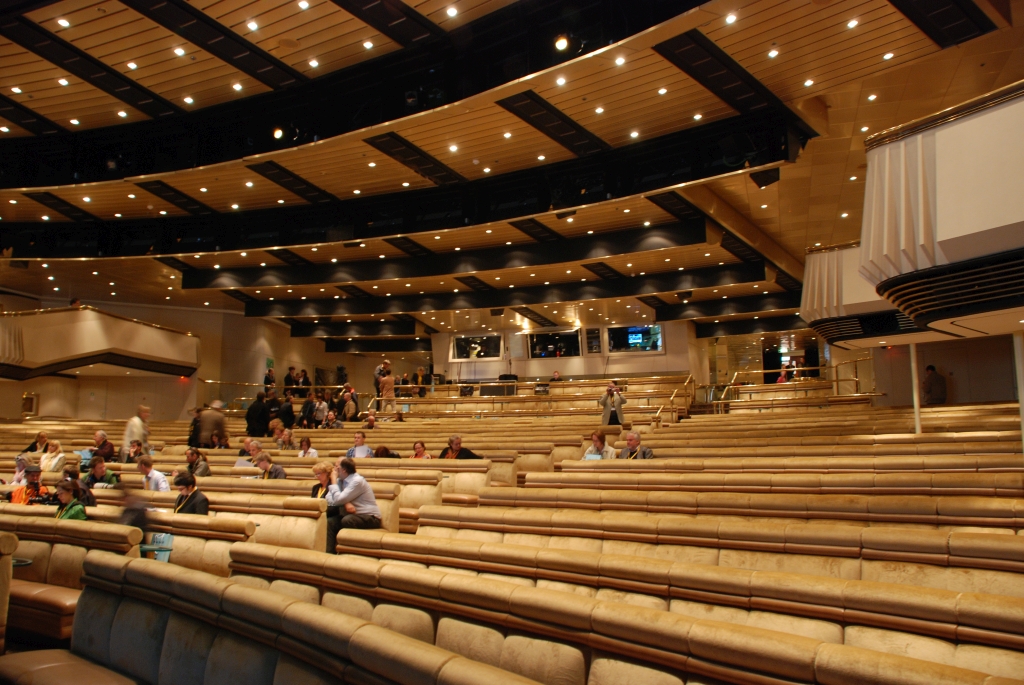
x=885 y=617
x=8 y=545
x=145 y=621
x=555 y=636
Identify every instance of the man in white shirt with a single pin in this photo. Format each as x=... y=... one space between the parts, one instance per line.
x=359 y=449
x=350 y=490
x=151 y=478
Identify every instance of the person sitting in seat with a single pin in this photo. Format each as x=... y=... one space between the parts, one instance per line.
x=322 y=472
x=20 y=462
x=332 y=421
x=39 y=445
x=307 y=449
x=555 y=377
x=190 y=500
x=151 y=478
x=350 y=490
x=454 y=450
x=419 y=450
x=104 y=448
x=599 y=449
x=32 y=489
x=371 y=419
x=359 y=448
x=70 y=507
x=271 y=471
x=99 y=476
x=254 y=448
x=633 y=448
x=285 y=442
x=383 y=452
x=135 y=452
x=53 y=459
x=84 y=495
x=349 y=410
x=197 y=464
x=611 y=402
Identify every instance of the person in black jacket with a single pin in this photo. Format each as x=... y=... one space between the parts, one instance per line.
x=190 y=501
x=193 y=430
x=455 y=450
x=257 y=418
x=287 y=413
x=273 y=405
x=306 y=414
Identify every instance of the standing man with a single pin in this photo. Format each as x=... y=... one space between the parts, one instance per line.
x=257 y=417
x=211 y=423
x=611 y=402
x=379 y=373
x=289 y=379
x=350 y=490
x=269 y=381
x=933 y=386
x=386 y=385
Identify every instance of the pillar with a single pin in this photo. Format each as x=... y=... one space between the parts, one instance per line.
x=916 y=390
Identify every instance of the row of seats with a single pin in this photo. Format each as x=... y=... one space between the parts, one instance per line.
x=942 y=463
x=982 y=632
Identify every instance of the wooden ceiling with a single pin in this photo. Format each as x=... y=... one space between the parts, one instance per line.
x=814 y=43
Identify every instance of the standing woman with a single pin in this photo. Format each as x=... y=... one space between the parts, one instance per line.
x=70 y=507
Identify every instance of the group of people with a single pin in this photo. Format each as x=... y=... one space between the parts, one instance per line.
x=600 y=449
x=297 y=383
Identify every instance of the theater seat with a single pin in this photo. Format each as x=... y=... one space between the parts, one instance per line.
x=56 y=667
x=42 y=608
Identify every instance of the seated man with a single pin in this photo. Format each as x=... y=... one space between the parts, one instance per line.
x=32 y=489
x=359 y=447
x=151 y=478
x=99 y=476
x=350 y=490
x=270 y=470
x=104 y=448
x=332 y=421
x=190 y=501
x=633 y=449
x=454 y=450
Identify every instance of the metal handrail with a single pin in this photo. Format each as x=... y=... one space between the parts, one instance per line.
x=86 y=307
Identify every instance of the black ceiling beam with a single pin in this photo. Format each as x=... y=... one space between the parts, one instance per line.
x=16 y=113
x=377 y=345
x=685 y=156
x=405 y=153
x=175 y=263
x=538 y=230
x=515 y=297
x=64 y=55
x=177 y=198
x=409 y=246
x=765 y=324
x=201 y=30
x=351 y=330
x=290 y=258
x=51 y=201
x=502 y=46
x=395 y=19
x=292 y=182
x=602 y=270
x=947 y=22
x=534 y=316
x=724 y=307
x=463 y=262
x=709 y=65
x=555 y=124
x=355 y=291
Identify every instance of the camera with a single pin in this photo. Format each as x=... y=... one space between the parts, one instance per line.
x=44 y=499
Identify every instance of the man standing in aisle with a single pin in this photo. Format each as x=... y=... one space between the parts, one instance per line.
x=379 y=373
x=933 y=386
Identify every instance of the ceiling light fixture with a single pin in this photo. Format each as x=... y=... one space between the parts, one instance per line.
x=850 y=24
x=180 y=52
x=45 y=218
x=280 y=202
x=888 y=56
x=560 y=80
x=731 y=19
x=453 y=148
x=634 y=134
x=76 y=122
x=808 y=83
x=4 y=129
x=863 y=129
x=619 y=61
x=356 y=192
x=234 y=206
x=201 y=190
x=86 y=199
x=540 y=157
x=237 y=86
x=698 y=117
x=844 y=215
x=122 y=114
x=872 y=97
x=64 y=22
x=62 y=81
x=248 y=184
x=303 y=5
x=252 y=26
x=367 y=45
x=188 y=100
x=487 y=169
x=773 y=53
x=599 y=110
x=452 y=11
x=647 y=223
x=132 y=65
x=406 y=184
x=853 y=178
x=561 y=43
x=15 y=89
x=662 y=91
x=764 y=206
x=313 y=63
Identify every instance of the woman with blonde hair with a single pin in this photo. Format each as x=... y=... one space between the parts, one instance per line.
x=53 y=459
x=322 y=472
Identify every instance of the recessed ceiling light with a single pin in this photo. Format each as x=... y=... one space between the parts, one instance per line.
x=367 y=45
x=406 y=184
x=86 y=199
x=252 y=26
x=844 y=215
x=453 y=148
x=234 y=206
x=620 y=61
x=634 y=134
x=237 y=86
x=509 y=242
x=850 y=24
x=599 y=110
x=280 y=202
x=76 y=122
x=64 y=22
x=731 y=19
x=863 y=129
x=303 y=5
x=540 y=157
x=764 y=206
x=773 y=53
x=122 y=114
x=625 y=211
x=356 y=192
x=179 y=51
x=15 y=89
x=131 y=196
x=888 y=55
x=132 y=65
x=808 y=82
x=163 y=211
x=45 y=218
x=248 y=184
x=4 y=129
x=201 y=190
x=118 y=216
x=698 y=117
x=569 y=220
x=188 y=100
x=508 y=135
x=452 y=11
x=647 y=223
x=872 y=97
x=457 y=249
x=560 y=80
x=707 y=254
x=313 y=63
x=487 y=169
x=853 y=178
x=815 y=244
x=62 y=81
x=561 y=43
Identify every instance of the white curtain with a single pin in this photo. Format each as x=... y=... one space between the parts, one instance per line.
x=12 y=348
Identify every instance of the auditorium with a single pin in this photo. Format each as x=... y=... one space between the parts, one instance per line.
x=427 y=265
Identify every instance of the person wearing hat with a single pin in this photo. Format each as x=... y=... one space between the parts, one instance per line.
x=32 y=487
x=211 y=422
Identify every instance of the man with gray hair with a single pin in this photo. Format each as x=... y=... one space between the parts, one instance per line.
x=633 y=448
x=104 y=448
x=455 y=450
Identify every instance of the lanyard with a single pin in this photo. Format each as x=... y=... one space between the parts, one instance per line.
x=187 y=497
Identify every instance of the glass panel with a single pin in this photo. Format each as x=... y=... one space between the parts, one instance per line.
x=594 y=340
x=544 y=345
x=477 y=347
x=634 y=339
